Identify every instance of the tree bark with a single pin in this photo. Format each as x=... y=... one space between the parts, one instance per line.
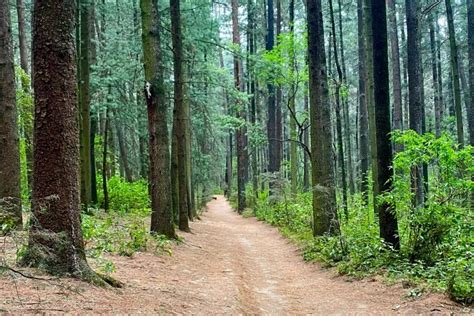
x=155 y=97
x=364 y=148
x=415 y=84
x=180 y=113
x=338 y=83
x=84 y=102
x=435 y=74
x=382 y=181
x=10 y=193
x=324 y=198
x=455 y=73
x=396 y=77
x=55 y=240
x=470 y=28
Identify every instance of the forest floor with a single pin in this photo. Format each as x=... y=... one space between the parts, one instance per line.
x=227 y=265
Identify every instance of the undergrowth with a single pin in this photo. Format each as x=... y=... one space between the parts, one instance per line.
x=437 y=239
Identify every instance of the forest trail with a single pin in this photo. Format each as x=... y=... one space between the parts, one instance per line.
x=227 y=265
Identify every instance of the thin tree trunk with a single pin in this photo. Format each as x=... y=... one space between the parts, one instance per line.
x=20 y=8
x=273 y=146
x=434 y=70
x=10 y=192
x=292 y=104
x=240 y=134
x=105 y=203
x=396 y=77
x=470 y=28
x=180 y=113
x=84 y=102
x=363 y=115
x=455 y=73
x=340 y=147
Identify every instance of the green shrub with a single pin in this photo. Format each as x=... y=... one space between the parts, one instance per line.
x=125 y=196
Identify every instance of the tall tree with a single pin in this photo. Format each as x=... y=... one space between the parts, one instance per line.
x=470 y=30
x=292 y=104
x=338 y=83
x=364 y=149
x=434 y=70
x=396 y=77
x=55 y=240
x=324 y=197
x=20 y=9
x=240 y=134
x=10 y=193
x=455 y=72
x=273 y=146
x=180 y=113
x=382 y=181
x=157 y=108
x=415 y=87
x=84 y=101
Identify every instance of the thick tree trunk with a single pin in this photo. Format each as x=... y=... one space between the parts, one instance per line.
x=10 y=193
x=455 y=72
x=55 y=240
x=415 y=84
x=324 y=198
x=387 y=220
x=180 y=113
x=154 y=92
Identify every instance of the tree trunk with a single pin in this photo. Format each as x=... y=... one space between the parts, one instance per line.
x=292 y=104
x=363 y=115
x=415 y=84
x=180 y=113
x=84 y=102
x=340 y=146
x=20 y=8
x=470 y=28
x=455 y=73
x=105 y=203
x=396 y=77
x=382 y=183
x=273 y=147
x=240 y=134
x=10 y=193
x=324 y=198
x=154 y=92
x=434 y=70
x=55 y=240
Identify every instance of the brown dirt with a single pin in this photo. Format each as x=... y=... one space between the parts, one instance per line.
x=227 y=265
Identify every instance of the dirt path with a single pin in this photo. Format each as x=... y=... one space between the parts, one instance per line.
x=228 y=265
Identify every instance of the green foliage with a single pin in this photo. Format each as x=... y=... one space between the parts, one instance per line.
x=125 y=197
x=437 y=239
x=122 y=234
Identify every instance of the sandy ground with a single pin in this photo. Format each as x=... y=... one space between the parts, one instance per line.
x=228 y=265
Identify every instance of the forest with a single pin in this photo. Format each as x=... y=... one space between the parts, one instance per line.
x=257 y=157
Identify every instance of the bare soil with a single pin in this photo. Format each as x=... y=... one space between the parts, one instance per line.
x=227 y=265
